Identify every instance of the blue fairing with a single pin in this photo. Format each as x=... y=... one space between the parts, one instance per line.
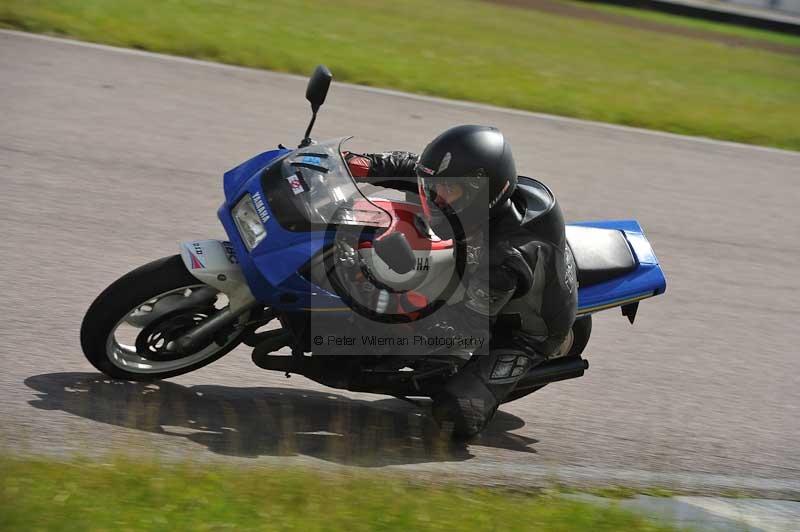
x=235 y=178
x=271 y=268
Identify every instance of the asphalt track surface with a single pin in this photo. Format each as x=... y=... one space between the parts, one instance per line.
x=109 y=158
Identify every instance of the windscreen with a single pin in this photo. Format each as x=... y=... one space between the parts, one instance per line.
x=312 y=188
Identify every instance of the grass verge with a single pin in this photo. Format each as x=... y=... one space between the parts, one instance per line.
x=464 y=49
x=40 y=494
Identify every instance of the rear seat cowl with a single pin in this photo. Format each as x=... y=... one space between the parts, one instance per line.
x=600 y=254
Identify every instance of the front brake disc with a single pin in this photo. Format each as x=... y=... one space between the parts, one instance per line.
x=154 y=309
x=157 y=340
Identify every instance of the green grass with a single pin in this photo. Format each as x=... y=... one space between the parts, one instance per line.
x=699 y=24
x=467 y=50
x=39 y=494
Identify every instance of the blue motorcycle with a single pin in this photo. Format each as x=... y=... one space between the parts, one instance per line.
x=316 y=265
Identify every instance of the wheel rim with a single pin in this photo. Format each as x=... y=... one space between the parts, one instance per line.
x=185 y=301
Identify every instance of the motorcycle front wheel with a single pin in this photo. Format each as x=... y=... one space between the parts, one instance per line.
x=129 y=331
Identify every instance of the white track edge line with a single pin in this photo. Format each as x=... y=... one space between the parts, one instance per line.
x=392 y=92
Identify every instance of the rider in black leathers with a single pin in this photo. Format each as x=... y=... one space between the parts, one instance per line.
x=520 y=278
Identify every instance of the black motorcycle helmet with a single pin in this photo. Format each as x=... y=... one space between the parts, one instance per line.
x=466 y=172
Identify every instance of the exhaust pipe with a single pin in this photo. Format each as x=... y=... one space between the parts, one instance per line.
x=270 y=342
x=559 y=369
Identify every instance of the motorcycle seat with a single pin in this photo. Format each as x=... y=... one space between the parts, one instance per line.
x=600 y=254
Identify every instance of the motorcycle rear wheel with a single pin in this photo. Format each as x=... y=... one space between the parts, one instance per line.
x=128 y=332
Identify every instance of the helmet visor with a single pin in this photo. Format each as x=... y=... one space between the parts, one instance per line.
x=446 y=195
x=440 y=198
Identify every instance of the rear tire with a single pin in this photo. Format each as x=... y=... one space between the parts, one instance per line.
x=134 y=291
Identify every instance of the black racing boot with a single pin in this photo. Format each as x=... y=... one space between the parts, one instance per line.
x=470 y=398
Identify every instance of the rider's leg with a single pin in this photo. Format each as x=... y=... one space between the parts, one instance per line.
x=471 y=397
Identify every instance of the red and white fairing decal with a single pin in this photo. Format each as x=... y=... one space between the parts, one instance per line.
x=295 y=184
x=196 y=264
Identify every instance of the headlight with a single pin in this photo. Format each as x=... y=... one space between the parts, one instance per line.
x=248 y=222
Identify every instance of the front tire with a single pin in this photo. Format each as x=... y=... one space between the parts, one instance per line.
x=128 y=330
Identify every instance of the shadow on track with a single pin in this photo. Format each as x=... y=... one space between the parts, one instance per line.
x=270 y=421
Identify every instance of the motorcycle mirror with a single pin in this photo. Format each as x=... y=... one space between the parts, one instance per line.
x=316 y=91
x=317 y=87
x=396 y=252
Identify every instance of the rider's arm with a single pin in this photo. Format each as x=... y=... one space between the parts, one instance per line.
x=507 y=276
x=391 y=169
